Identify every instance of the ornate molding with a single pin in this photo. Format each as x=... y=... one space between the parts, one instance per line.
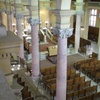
x=18 y=16
x=34 y=21
x=63 y=33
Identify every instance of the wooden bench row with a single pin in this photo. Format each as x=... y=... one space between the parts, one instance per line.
x=52 y=70
x=49 y=84
x=82 y=93
x=90 y=68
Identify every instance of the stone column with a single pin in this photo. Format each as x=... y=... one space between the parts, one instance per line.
x=34 y=22
x=9 y=20
x=61 y=81
x=18 y=15
x=86 y=21
x=79 y=12
x=9 y=17
x=63 y=31
x=2 y=10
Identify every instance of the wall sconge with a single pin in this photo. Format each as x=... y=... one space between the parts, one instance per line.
x=82 y=28
x=46 y=22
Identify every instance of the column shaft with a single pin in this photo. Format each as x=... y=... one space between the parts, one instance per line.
x=99 y=43
x=77 y=33
x=9 y=19
x=35 y=50
x=19 y=33
x=61 y=69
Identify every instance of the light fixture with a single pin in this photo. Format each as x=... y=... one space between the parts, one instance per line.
x=82 y=28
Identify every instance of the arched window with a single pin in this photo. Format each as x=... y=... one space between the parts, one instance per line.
x=93 y=15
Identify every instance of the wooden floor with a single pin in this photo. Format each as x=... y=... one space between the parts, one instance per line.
x=71 y=59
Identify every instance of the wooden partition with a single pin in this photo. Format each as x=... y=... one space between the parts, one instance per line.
x=93 y=33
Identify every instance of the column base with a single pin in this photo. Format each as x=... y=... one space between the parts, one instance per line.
x=35 y=80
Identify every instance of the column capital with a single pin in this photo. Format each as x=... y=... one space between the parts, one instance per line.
x=18 y=16
x=34 y=21
x=63 y=33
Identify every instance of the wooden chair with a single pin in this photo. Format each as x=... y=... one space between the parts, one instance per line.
x=30 y=98
x=82 y=85
x=81 y=93
x=96 y=96
x=25 y=88
x=15 y=76
x=77 y=80
x=82 y=79
x=19 y=79
x=94 y=89
x=26 y=94
x=21 y=83
x=75 y=87
x=69 y=96
x=41 y=97
x=69 y=89
x=75 y=95
x=70 y=82
x=88 y=91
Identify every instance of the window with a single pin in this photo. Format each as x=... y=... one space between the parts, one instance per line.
x=93 y=15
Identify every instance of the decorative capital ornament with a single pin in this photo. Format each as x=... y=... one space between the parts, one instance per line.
x=34 y=21
x=63 y=33
x=18 y=16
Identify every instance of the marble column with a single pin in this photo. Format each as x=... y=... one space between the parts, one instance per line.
x=61 y=81
x=9 y=20
x=19 y=33
x=34 y=22
x=18 y=15
x=86 y=21
x=35 y=47
x=79 y=12
x=63 y=31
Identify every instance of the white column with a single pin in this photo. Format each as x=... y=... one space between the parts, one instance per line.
x=19 y=33
x=77 y=31
x=62 y=30
x=86 y=21
x=18 y=15
x=9 y=20
x=79 y=12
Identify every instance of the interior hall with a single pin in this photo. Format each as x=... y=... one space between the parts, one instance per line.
x=49 y=49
